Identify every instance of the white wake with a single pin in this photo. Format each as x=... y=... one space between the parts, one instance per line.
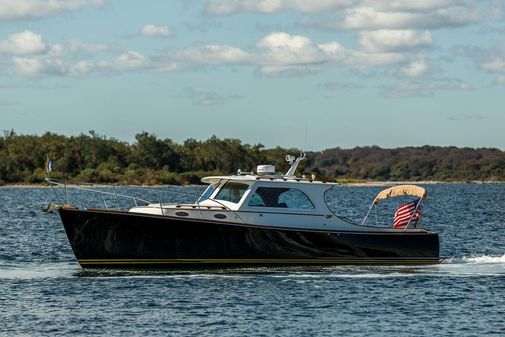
x=484 y=259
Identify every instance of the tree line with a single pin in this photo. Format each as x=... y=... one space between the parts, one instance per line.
x=151 y=160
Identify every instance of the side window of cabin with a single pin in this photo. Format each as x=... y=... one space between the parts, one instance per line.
x=232 y=192
x=294 y=198
x=280 y=197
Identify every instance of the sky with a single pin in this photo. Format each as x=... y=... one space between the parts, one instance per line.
x=293 y=73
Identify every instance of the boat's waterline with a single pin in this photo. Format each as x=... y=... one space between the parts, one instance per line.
x=250 y=262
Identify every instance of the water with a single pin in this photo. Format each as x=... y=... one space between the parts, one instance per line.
x=43 y=291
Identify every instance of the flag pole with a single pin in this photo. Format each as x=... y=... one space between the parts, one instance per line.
x=418 y=204
x=367 y=213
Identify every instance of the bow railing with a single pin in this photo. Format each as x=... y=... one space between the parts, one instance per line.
x=122 y=197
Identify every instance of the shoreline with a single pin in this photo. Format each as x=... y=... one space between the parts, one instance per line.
x=364 y=184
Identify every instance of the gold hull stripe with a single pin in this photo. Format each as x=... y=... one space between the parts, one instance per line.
x=256 y=261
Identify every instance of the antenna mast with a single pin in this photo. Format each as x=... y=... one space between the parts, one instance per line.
x=294 y=163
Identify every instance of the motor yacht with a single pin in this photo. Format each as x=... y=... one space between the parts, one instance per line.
x=261 y=218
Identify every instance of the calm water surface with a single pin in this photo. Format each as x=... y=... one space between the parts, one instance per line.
x=43 y=291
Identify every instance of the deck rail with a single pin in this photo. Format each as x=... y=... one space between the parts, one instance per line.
x=111 y=192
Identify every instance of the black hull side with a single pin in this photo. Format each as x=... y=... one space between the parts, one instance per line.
x=109 y=239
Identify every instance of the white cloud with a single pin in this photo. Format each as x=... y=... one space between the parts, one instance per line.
x=213 y=54
x=71 y=58
x=155 y=31
x=76 y=58
x=23 y=43
x=130 y=60
x=393 y=40
x=374 y=15
x=409 y=5
x=26 y=9
x=55 y=50
x=371 y=18
x=284 y=53
x=29 y=66
x=283 y=48
x=40 y=65
x=370 y=14
x=295 y=53
x=224 y=7
x=200 y=55
x=497 y=64
x=491 y=60
x=79 y=47
x=277 y=52
x=81 y=68
x=414 y=69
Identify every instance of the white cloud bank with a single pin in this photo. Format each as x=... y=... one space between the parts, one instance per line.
x=281 y=52
x=368 y=17
x=224 y=7
x=393 y=34
x=276 y=53
x=28 y=9
x=369 y=14
x=29 y=55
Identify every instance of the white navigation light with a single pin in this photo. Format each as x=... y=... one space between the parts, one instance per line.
x=263 y=170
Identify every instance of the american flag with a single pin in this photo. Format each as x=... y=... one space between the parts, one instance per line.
x=404 y=212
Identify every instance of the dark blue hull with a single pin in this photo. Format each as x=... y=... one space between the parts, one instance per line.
x=111 y=239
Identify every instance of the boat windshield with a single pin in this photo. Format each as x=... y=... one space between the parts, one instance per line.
x=208 y=192
x=232 y=192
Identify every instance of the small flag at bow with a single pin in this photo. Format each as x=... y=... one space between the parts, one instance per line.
x=405 y=212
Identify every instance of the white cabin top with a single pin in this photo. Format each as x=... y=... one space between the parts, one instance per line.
x=267 y=190
x=267 y=173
